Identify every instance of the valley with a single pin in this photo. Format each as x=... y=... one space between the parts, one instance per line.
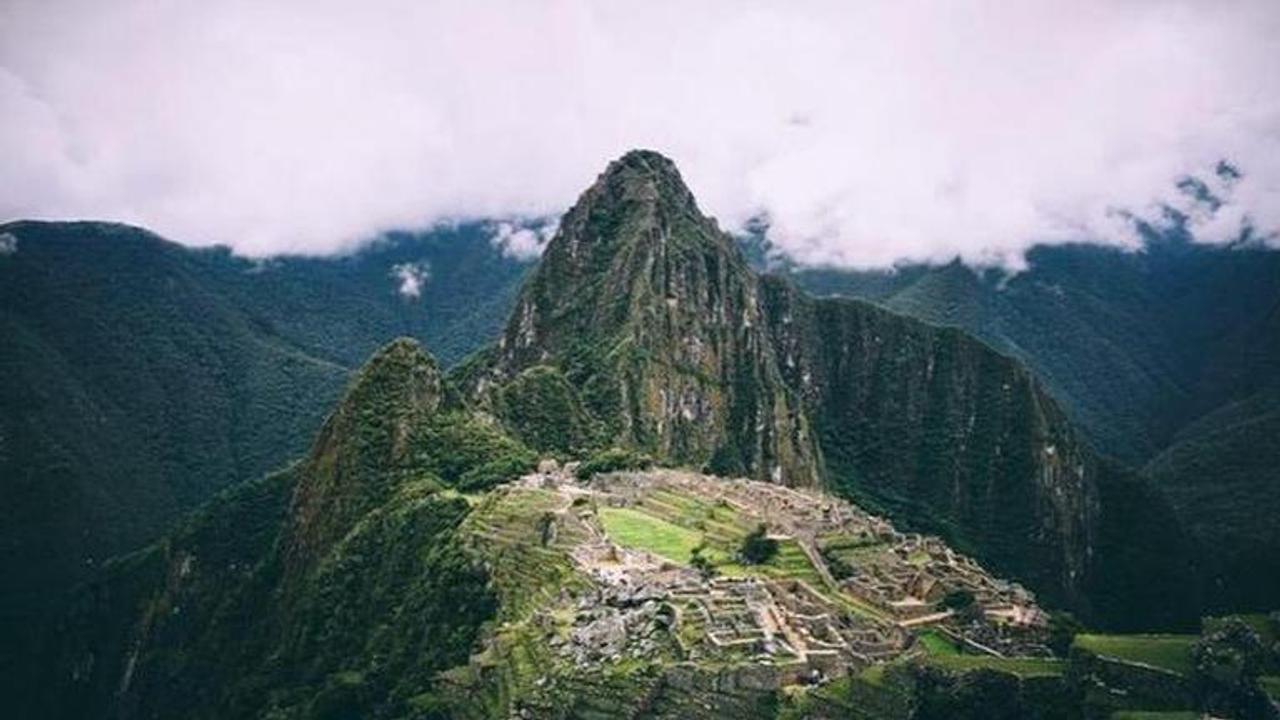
x=616 y=360
x=672 y=488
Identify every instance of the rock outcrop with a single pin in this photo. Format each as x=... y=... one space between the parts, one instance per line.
x=648 y=309
x=646 y=315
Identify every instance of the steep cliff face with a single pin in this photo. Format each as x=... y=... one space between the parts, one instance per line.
x=937 y=428
x=645 y=322
x=650 y=312
x=364 y=447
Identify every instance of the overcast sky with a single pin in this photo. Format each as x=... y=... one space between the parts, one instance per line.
x=866 y=133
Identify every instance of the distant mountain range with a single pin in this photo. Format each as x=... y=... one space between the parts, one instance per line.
x=1100 y=426
x=1168 y=359
x=646 y=316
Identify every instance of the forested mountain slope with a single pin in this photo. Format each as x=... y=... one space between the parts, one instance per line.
x=1167 y=358
x=139 y=377
x=645 y=318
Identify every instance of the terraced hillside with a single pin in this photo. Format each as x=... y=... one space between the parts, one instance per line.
x=628 y=596
x=420 y=564
x=644 y=327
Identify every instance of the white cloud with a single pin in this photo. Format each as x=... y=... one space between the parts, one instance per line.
x=523 y=240
x=867 y=132
x=411 y=276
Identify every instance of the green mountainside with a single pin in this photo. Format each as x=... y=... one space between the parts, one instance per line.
x=651 y=315
x=139 y=377
x=394 y=573
x=947 y=435
x=1222 y=473
x=414 y=565
x=1134 y=344
x=1167 y=359
x=338 y=584
x=645 y=319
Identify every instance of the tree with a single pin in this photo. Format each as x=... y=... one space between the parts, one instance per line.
x=958 y=600
x=1063 y=628
x=1228 y=661
x=757 y=547
x=702 y=563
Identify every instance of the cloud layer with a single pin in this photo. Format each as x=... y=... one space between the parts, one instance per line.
x=865 y=133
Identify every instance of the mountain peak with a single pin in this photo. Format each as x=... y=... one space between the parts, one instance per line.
x=647 y=307
x=645 y=162
x=640 y=180
x=353 y=464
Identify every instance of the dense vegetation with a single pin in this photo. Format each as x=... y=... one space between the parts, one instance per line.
x=140 y=377
x=1167 y=358
x=612 y=460
x=541 y=407
x=148 y=376
x=339 y=588
x=644 y=321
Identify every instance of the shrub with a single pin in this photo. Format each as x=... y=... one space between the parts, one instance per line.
x=1063 y=628
x=757 y=547
x=613 y=460
x=702 y=563
x=958 y=600
x=840 y=568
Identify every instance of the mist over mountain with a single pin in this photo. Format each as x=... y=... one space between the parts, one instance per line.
x=1097 y=428
x=868 y=133
x=574 y=360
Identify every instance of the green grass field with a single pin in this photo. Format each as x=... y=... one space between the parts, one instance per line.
x=1022 y=667
x=664 y=524
x=640 y=531
x=1168 y=652
x=935 y=643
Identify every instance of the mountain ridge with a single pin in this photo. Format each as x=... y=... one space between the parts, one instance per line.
x=397 y=570
x=141 y=377
x=638 y=282
x=1149 y=352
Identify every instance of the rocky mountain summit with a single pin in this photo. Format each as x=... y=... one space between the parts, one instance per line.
x=649 y=312
x=644 y=327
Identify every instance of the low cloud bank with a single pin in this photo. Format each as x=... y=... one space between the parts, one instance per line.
x=864 y=133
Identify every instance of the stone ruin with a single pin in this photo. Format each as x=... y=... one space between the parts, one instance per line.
x=644 y=607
